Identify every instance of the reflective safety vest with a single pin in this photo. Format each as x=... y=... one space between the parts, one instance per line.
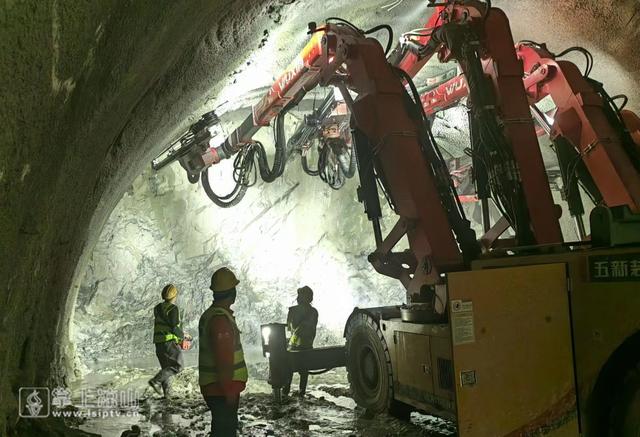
x=296 y=340
x=302 y=321
x=207 y=369
x=162 y=331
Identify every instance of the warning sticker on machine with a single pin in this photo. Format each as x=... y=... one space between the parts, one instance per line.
x=462 y=327
x=458 y=306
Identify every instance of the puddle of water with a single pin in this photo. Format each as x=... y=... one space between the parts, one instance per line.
x=340 y=401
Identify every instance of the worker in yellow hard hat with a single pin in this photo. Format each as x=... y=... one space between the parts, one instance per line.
x=221 y=366
x=302 y=320
x=167 y=336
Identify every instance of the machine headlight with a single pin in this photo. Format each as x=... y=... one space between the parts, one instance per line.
x=266 y=332
x=273 y=338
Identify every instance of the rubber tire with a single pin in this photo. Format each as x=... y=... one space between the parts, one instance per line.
x=624 y=417
x=368 y=365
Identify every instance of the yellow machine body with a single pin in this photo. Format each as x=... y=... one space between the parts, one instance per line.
x=527 y=339
x=512 y=351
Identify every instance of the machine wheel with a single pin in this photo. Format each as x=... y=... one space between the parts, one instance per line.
x=368 y=365
x=624 y=419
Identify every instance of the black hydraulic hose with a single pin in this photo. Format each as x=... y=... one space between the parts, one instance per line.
x=495 y=149
x=486 y=12
x=625 y=100
x=306 y=168
x=389 y=31
x=271 y=174
x=244 y=173
x=227 y=201
x=343 y=170
x=613 y=114
x=309 y=128
x=438 y=160
x=297 y=138
x=333 y=179
x=447 y=192
x=322 y=163
x=586 y=53
x=492 y=146
x=306 y=132
x=344 y=22
x=348 y=170
x=375 y=29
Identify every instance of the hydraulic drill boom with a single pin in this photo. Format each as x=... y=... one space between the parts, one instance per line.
x=391 y=141
x=394 y=145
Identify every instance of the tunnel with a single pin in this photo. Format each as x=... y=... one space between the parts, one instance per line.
x=93 y=91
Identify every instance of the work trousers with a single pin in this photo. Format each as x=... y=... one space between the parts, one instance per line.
x=304 y=376
x=171 y=362
x=224 y=417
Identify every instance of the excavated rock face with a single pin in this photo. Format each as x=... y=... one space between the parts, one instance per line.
x=91 y=91
x=283 y=235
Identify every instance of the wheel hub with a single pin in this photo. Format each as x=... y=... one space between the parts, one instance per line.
x=369 y=368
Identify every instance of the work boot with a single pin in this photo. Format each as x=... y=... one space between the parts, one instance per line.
x=155 y=386
x=304 y=379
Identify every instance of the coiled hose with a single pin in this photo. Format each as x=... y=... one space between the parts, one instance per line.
x=349 y=169
x=244 y=167
x=342 y=171
x=306 y=168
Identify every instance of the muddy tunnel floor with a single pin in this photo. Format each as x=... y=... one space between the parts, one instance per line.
x=326 y=410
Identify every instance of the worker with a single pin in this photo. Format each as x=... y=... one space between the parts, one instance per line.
x=133 y=432
x=222 y=370
x=302 y=320
x=167 y=335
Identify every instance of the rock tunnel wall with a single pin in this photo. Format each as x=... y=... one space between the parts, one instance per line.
x=88 y=90
x=91 y=90
x=293 y=232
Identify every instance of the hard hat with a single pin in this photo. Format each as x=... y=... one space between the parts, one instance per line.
x=169 y=292
x=223 y=280
x=306 y=293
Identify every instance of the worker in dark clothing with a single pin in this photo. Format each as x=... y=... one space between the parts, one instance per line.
x=167 y=336
x=302 y=321
x=222 y=371
x=133 y=432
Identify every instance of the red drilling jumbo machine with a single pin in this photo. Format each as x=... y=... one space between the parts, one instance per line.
x=515 y=332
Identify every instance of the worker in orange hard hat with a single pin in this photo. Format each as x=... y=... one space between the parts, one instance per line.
x=302 y=320
x=222 y=371
x=167 y=337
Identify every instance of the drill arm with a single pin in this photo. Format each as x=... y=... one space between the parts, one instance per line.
x=586 y=120
x=391 y=142
x=395 y=147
